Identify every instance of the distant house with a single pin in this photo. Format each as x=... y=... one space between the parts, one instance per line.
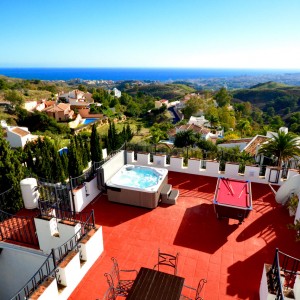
x=85 y=114
x=40 y=106
x=76 y=98
x=18 y=136
x=60 y=112
x=117 y=93
x=205 y=132
x=249 y=145
x=160 y=103
x=199 y=121
x=30 y=105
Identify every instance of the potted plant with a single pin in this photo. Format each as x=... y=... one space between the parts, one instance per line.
x=293 y=204
x=296 y=227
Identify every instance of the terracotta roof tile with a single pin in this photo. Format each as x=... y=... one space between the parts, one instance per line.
x=19 y=131
x=63 y=106
x=256 y=141
x=85 y=113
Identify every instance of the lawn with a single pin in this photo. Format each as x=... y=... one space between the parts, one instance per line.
x=138 y=137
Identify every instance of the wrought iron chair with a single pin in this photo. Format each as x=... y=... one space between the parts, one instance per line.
x=110 y=294
x=197 y=290
x=165 y=259
x=121 y=286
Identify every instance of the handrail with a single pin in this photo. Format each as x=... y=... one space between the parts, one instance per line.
x=279 y=294
x=3 y=195
x=37 y=279
x=65 y=215
x=12 y=215
x=72 y=243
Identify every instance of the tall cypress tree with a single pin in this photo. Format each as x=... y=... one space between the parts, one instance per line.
x=11 y=173
x=84 y=154
x=96 y=146
x=65 y=162
x=113 y=137
x=58 y=174
x=75 y=167
x=129 y=133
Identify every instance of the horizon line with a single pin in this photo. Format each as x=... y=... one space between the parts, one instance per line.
x=135 y=67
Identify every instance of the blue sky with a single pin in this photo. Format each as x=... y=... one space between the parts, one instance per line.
x=150 y=33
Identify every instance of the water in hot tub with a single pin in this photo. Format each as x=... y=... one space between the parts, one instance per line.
x=138 y=177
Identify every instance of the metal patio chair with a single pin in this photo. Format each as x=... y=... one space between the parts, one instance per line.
x=197 y=290
x=110 y=294
x=121 y=286
x=165 y=259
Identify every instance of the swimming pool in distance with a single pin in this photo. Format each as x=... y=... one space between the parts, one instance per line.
x=88 y=121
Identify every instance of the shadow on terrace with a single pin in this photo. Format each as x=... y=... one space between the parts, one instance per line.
x=230 y=256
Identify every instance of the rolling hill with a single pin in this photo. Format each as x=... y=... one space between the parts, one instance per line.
x=271 y=94
x=164 y=91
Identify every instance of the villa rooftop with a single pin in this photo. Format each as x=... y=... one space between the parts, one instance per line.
x=230 y=256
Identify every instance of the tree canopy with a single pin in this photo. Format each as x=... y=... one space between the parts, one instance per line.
x=223 y=97
x=282 y=145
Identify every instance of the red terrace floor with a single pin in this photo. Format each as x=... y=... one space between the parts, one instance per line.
x=228 y=255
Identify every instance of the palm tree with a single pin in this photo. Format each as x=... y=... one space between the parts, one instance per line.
x=244 y=126
x=283 y=145
x=214 y=121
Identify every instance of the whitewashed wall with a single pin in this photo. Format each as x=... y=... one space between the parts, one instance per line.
x=85 y=194
x=44 y=230
x=232 y=170
x=113 y=165
x=263 y=290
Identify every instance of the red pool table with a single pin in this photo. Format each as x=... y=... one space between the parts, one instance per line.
x=233 y=199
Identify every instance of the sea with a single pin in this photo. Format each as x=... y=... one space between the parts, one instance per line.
x=117 y=74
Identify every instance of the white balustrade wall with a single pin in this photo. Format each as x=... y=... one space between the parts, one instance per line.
x=212 y=168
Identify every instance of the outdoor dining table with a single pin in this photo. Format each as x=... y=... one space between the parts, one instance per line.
x=155 y=285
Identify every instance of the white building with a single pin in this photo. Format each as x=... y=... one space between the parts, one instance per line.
x=199 y=121
x=160 y=103
x=76 y=98
x=18 y=136
x=30 y=105
x=117 y=93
